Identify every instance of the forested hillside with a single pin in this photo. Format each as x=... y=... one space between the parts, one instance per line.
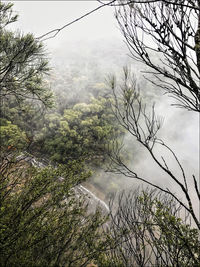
x=69 y=122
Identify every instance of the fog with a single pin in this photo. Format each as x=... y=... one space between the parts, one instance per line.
x=40 y=17
x=94 y=48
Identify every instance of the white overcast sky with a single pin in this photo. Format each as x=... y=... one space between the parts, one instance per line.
x=39 y=17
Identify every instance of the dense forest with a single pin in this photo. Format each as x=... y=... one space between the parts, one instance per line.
x=71 y=135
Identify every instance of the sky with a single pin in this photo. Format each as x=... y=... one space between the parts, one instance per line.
x=39 y=17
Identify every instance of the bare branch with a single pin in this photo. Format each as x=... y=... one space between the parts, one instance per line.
x=55 y=32
x=173 y=28
x=132 y=115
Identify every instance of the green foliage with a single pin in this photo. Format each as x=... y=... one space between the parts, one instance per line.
x=22 y=63
x=11 y=136
x=82 y=131
x=27 y=115
x=43 y=223
x=175 y=235
x=6 y=14
x=23 y=93
x=152 y=230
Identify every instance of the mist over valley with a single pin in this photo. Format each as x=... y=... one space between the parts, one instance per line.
x=99 y=133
